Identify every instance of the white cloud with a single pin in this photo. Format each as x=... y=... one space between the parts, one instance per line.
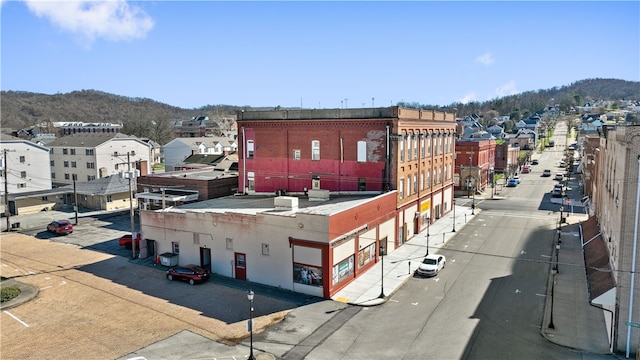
x=507 y=89
x=485 y=58
x=112 y=20
x=468 y=98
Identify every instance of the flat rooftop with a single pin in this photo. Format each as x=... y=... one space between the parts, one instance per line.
x=263 y=204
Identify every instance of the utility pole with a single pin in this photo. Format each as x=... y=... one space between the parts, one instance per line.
x=7 y=213
x=75 y=196
x=133 y=237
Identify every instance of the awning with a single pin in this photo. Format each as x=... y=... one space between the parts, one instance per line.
x=600 y=280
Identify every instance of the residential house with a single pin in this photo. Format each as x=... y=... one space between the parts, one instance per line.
x=196 y=127
x=88 y=156
x=112 y=192
x=610 y=235
x=21 y=172
x=178 y=149
x=496 y=131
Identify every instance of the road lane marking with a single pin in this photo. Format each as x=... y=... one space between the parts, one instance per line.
x=18 y=320
x=46 y=287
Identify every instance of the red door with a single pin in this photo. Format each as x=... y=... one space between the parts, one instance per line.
x=241 y=266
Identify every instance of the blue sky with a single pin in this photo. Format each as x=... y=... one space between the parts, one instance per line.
x=319 y=54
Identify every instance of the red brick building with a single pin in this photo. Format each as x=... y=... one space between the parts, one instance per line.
x=475 y=163
x=353 y=151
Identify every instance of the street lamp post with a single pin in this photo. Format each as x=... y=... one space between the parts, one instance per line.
x=428 y=225
x=454 y=216
x=553 y=285
x=250 y=297
x=381 y=296
x=473 y=202
x=557 y=258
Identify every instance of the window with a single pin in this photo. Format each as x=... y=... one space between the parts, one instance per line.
x=22 y=159
x=415 y=146
x=428 y=144
x=91 y=165
x=422 y=145
x=409 y=185
x=88 y=151
x=315 y=150
x=415 y=183
x=401 y=188
x=22 y=185
x=53 y=175
x=109 y=198
x=296 y=154
x=422 y=180
x=401 y=149
x=73 y=164
x=23 y=174
x=229 y=243
x=91 y=177
x=176 y=247
x=409 y=151
x=51 y=163
x=250 y=149
x=51 y=151
x=362 y=151
x=65 y=151
x=66 y=176
x=44 y=198
x=73 y=151
x=66 y=164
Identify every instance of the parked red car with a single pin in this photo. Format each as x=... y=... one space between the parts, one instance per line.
x=60 y=227
x=190 y=273
x=126 y=241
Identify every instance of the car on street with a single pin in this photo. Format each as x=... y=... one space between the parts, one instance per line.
x=562 y=164
x=546 y=173
x=516 y=178
x=60 y=227
x=526 y=169
x=512 y=183
x=534 y=162
x=559 y=177
x=191 y=273
x=431 y=265
x=557 y=191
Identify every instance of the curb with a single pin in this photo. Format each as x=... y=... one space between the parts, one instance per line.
x=27 y=293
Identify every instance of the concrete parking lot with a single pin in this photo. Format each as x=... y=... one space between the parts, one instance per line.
x=95 y=302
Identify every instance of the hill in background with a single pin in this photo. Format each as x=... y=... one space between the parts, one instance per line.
x=21 y=109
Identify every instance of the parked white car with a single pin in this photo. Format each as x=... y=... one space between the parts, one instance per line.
x=431 y=265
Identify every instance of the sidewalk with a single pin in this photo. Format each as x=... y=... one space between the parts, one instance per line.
x=400 y=264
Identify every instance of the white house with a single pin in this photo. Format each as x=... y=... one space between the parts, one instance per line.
x=178 y=149
x=23 y=162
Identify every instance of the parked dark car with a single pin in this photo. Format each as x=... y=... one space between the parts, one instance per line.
x=60 y=227
x=191 y=273
x=534 y=162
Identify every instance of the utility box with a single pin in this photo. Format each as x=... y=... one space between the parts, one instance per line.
x=169 y=259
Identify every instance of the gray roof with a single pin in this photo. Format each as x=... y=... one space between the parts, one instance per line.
x=256 y=204
x=109 y=185
x=89 y=140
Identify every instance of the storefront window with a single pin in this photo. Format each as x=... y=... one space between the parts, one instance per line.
x=367 y=254
x=343 y=270
x=306 y=274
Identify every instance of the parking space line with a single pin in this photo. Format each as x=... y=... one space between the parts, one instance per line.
x=18 y=320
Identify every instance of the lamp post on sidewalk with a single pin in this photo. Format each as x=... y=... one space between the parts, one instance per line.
x=557 y=269
x=428 y=225
x=473 y=202
x=250 y=297
x=454 y=216
x=553 y=285
x=381 y=296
